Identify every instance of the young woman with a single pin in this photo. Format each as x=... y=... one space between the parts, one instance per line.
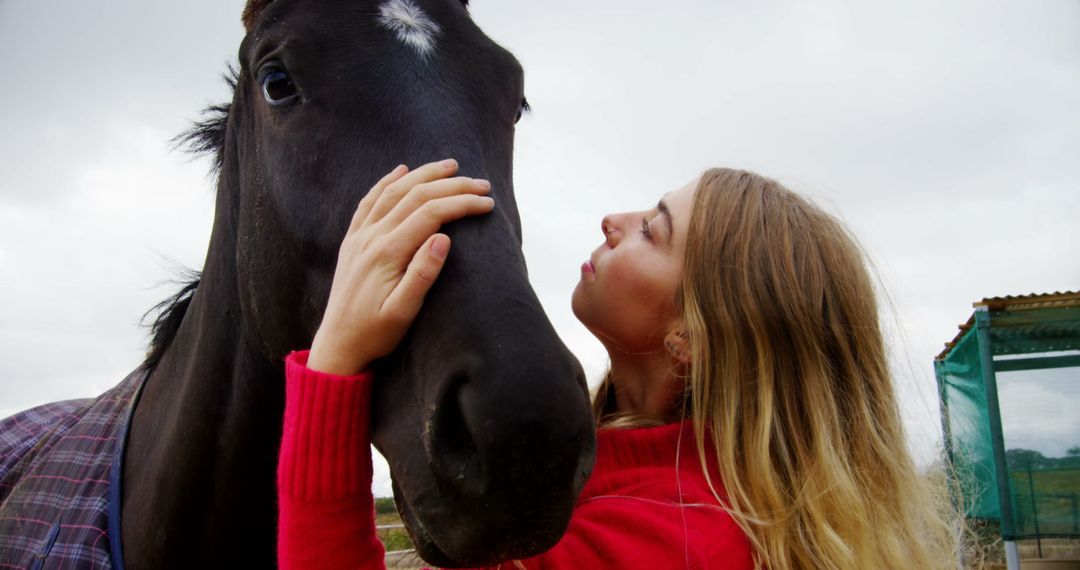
x=748 y=418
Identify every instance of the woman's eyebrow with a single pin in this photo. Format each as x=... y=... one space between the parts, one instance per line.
x=666 y=213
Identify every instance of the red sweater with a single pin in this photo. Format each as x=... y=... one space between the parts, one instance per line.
x=628 y=516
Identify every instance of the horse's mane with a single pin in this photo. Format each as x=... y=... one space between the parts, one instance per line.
x=206 y=136
x=170 y=313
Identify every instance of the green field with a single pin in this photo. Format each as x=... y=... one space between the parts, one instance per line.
x=393 y=539
x=1048 y=500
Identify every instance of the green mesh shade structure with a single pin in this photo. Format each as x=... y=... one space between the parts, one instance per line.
x=1020 y=356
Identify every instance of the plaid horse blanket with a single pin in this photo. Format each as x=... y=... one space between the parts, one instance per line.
x=60 y=474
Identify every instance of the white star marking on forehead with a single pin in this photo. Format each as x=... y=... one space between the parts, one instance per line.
x=410 y=24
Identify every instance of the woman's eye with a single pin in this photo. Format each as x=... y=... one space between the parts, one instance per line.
x=277 y=86
x=645 y=229
x=524 y=108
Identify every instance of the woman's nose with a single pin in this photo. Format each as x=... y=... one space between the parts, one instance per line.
x=608 y=226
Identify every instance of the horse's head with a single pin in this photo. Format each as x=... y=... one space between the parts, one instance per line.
x=482 y=412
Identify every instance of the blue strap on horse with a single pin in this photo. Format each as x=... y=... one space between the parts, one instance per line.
x=61 y=467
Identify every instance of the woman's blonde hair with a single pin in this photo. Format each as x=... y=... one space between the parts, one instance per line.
x=789 y=384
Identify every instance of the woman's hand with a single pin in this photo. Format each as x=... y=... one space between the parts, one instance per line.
x=388 y=261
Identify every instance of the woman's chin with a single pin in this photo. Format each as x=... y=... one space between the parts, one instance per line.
x=579 y=304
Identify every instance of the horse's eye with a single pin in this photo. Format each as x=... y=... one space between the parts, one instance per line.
x=524 y=108
x=277 y=87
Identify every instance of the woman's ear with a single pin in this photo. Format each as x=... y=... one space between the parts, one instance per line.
x=677 y=342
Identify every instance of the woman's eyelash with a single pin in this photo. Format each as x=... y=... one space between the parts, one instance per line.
x=645 y=229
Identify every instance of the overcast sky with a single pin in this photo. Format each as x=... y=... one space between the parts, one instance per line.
x=946 y=135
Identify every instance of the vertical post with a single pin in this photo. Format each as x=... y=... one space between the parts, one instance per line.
x=997 y=440
x=1075 y=514
x=1034 y=507
x=1012 y=555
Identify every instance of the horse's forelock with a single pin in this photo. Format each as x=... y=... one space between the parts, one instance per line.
x=252 y=11
x=255 y=7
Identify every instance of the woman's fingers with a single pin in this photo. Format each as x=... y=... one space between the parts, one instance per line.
x=428 y=218
x=389 y=259
x=421 y=194
x=368 y=201
x=397 y=189
x=405 y=300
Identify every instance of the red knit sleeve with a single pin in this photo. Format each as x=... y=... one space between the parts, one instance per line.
x=631 y=532
x=326 y=511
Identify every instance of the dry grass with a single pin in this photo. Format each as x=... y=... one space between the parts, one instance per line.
x=991 y=554
x=408 y=560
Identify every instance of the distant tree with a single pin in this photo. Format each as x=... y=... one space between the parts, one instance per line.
x=1071 y=459
x=1018 y=459
x=385 y=505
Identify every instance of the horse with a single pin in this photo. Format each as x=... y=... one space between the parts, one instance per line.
x=482 y=412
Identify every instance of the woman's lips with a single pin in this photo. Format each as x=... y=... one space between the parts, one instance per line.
x=587 y=267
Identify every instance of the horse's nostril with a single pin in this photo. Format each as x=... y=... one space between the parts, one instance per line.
x=449 y=444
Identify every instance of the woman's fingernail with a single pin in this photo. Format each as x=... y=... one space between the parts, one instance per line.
x=440 y=247
x=481 y=183
x=448 y=163
x=490 y=200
